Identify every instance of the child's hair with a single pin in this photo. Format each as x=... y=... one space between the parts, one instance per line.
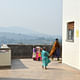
x=44 y=48
x=56 y=39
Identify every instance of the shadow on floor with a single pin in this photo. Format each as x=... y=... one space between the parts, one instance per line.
x=17 y=64
x=55 y=69
x=18 y=79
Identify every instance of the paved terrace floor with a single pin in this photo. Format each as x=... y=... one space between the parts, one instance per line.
x=27 y=69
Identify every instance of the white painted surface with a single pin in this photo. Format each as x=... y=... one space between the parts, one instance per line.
x=71 y=52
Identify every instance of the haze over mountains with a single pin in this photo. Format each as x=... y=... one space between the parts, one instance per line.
x=20 y=30
x=19 y=35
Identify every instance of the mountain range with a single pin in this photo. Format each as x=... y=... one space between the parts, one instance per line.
x=19 y=35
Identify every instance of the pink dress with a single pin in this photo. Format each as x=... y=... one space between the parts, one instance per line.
x=37 y=55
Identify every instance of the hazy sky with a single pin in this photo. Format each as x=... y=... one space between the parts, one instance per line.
x=39 y=15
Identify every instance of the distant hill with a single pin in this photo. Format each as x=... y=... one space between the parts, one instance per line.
x=22 y=30
x=13 y=38
x=19 y=35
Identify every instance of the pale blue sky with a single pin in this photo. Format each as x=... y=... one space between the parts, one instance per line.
x=39 y=15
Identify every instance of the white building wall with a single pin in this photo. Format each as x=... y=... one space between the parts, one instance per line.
x=70 y=50
x=79 y=27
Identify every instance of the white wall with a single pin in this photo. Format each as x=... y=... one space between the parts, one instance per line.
x=70 y=50
x=79 y=28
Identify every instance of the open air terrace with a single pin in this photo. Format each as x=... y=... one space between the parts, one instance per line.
x=27 y=69
x=23 y=67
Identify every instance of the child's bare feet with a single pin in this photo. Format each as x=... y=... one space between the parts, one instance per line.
x=45 y=68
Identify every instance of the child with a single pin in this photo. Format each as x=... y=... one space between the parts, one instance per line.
x=45 y=59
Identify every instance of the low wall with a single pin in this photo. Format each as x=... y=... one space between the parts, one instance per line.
x=25 y=51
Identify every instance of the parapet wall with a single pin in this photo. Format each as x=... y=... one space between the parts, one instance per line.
x=25 y=51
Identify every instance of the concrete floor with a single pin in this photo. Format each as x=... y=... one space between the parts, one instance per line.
x=27 y=69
